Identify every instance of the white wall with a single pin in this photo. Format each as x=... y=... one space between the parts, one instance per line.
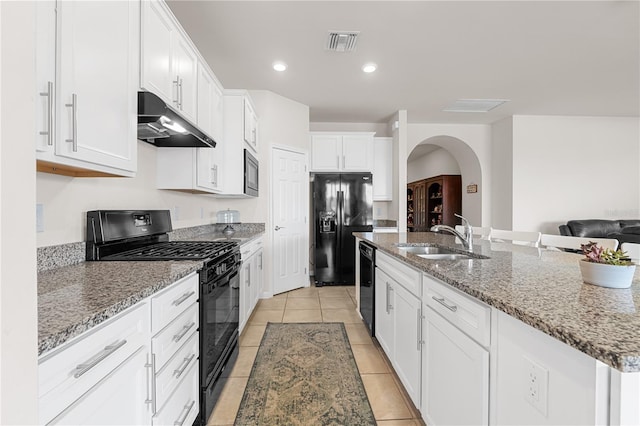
x=502 y=174
x=435 y=163
x=401 y=151
x=574 y=168
x=18 y=282
x=283 y=123
x=470 y=145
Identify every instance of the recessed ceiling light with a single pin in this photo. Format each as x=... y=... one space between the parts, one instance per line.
x=279 y=66
x=474 y=105
x=370 y=67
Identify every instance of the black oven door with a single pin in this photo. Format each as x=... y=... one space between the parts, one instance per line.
x=219 y=320
x=220 y=312
x=250 y=174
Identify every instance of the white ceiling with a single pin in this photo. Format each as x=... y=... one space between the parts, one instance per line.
x=547 y=57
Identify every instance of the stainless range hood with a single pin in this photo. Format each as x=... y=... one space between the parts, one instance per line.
x=161 y=125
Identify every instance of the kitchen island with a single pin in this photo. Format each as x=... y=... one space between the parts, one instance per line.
x=537 y=295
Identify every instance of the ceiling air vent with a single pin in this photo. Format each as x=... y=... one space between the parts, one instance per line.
x=474 y=105
x=342 y=41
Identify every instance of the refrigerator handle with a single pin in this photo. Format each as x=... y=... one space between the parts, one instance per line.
x=341 y=204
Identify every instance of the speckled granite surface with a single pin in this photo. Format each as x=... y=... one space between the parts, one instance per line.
x=61 y=255
x=72 y=299
x=76 y=297
x=206 y=231
x=542 y=288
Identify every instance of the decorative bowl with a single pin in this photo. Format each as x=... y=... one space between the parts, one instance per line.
x=604 y=275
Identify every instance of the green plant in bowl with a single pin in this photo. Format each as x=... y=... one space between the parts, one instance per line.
x=596 y=254
x=606 y=267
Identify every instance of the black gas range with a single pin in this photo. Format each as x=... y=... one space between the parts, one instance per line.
x=142 y=235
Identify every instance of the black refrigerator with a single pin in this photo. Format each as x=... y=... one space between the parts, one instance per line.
x=342 y=204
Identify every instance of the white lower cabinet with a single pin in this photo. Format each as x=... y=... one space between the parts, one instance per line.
x=383 y=311
x=175 y=344
x=118 y=399
x=398 y=330
x=455 y=377
x=408 y=341
x=251 y=276
x=455 y=356
x=137 y=368
x=183 y=407
x=87 y=374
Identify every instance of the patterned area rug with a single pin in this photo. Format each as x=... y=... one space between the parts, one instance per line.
x=305 y=374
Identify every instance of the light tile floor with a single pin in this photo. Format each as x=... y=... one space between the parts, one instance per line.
x=391 y=406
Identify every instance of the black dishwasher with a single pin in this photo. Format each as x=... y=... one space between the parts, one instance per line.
x=367 y=285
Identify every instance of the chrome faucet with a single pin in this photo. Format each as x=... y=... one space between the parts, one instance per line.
x=467 y=238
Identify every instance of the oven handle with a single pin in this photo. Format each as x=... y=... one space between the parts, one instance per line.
x=223 y=280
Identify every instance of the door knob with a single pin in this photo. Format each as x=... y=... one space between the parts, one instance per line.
x=277 y=228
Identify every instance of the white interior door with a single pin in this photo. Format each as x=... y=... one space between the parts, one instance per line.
x=289 y=207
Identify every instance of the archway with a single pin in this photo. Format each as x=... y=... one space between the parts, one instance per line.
x=469 y=169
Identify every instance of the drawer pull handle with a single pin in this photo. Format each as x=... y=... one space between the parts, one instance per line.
x=178 y=371
x=185 y=330
x=441 y=301
x=183 y=298
x=188 y=408
x=95 y=360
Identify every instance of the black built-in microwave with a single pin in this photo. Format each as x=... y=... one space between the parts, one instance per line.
x=250 y=174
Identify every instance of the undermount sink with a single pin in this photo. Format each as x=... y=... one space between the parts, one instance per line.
x=434 y=253
x=422 y=250
x=445 y=256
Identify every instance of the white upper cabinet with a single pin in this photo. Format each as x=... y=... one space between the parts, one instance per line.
x=185 y=61
x=87 y=111
x=173 y=69
x=158 y=34
x=342 y=152
x=46 y=75
x=210 y=103
x=250 y=125
x=382 y=169
x=169 y=61
x=236 y=104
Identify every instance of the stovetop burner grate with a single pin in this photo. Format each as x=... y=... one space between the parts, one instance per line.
x=176 y=250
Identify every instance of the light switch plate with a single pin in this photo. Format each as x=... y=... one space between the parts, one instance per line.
x=39 y=217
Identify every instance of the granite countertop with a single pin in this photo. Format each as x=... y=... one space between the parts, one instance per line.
x=240 y=237
x=74 y=298
x=540 y=287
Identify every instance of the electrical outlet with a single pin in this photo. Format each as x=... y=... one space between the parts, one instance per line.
x=39 y=217
x=176 y=214
x=536 y=385
x=201 y=212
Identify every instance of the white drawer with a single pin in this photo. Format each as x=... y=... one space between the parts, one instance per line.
x=176 y=369
x=172 y=301
x=70 y=370
x=184 y=404
x=173 y=336
x=466 y=313
x=408 y=277
x=247 y=250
